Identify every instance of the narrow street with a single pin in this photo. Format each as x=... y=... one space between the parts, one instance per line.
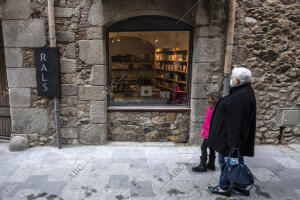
x=137 y=171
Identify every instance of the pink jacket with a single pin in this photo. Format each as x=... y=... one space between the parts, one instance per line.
x=206 y=124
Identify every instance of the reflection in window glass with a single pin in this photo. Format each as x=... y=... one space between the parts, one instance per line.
x=148 y=68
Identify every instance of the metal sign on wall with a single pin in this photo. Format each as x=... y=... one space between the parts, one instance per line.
x=47 y=71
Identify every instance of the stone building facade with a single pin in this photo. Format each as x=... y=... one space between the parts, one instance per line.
x=266 y=38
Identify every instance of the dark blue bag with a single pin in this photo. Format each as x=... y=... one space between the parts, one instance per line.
x=236 y=172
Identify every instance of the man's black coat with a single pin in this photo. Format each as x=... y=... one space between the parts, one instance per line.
x=233 y=122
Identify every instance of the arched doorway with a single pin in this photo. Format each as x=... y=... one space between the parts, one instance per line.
x=5 y=124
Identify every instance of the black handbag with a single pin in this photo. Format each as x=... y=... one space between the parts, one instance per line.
x=236 y=172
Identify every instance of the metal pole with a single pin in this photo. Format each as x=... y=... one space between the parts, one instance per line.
x=51 y=21
x=58 y=133
x=281 y=134
x=229 y=46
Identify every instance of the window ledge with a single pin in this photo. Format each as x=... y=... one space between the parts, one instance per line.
x=148 y=108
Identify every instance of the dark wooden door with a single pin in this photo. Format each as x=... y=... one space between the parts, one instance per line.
x=5 y=126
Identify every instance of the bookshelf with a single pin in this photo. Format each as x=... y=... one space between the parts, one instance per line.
x=171 y=69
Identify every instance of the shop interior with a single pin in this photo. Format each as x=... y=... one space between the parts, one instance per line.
x=149 y=68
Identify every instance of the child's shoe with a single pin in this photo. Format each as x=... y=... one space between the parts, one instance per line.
x=201 y=167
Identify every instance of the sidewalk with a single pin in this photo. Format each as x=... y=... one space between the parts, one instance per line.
x=137 y=171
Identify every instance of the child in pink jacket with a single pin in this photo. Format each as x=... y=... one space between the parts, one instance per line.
x=213 y=99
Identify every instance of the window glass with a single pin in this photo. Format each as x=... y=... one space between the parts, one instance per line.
x=148 y=68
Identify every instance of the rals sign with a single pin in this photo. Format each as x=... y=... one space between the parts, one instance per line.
x=47 y=71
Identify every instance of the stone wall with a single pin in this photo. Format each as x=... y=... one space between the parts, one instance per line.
x=83 y=102
x=208 y=59
x=266 y=40
x=148 y=126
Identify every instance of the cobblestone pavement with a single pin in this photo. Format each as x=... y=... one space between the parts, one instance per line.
x=147 y=171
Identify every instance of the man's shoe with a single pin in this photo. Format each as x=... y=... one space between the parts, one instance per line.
x=240 y=191
x=201 y=167
x=219 y=191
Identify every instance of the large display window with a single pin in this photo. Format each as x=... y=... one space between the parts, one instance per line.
x=147 y=68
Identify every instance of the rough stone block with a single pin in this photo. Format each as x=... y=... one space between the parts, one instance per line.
x=69 y=133
x=24 y=33
x=18 y=143
x=13 y=57
x=21 y=77
x=92 y=93
x=93 y=134
x=19 y=97
x=208 y=31
x=65 y=36
x=98 y=76
x=71 y=51
x=98 y=112
x=69 y=101
x=202 y=17
x=95 y=33
x=67 y=65
x=63 y=12
x=29 y=120
x=15 y=9
x=95 y=16
x=198 y=110
x=199 y=91
x=195 y=133
x=92 y=52
x=208 y=50
x=200 y=72
x=68 y=89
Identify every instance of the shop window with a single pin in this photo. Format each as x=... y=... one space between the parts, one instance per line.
x=149 y=68
x=149 y=64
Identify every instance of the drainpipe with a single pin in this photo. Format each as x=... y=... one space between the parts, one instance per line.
x=51 y=21
x=229 y=46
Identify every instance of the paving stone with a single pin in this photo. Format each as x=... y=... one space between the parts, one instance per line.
x=264 y=175
x=141 y=189
x=119 y=181
x=287 y=162
x=146 y=172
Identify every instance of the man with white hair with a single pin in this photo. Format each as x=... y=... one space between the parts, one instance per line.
x=233 y=125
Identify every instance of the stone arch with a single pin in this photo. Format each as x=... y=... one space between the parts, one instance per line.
x=145 y=13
